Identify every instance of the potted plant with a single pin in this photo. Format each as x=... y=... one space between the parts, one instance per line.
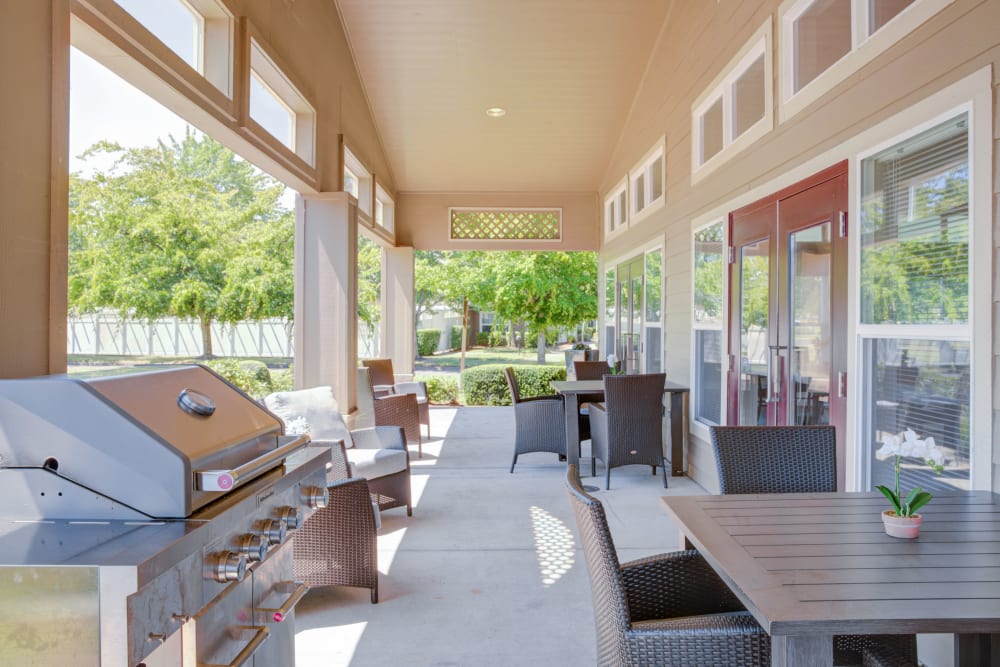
x=902 y=520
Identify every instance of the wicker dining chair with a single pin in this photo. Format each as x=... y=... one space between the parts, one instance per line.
x=665 y=610
x=627 y=428
x=795 y=459
x=401 y=410
x=384 y=382
x=337 y=544
x=539 y=422
x=588 y=370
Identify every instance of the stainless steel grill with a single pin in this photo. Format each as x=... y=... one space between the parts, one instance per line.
x=143 y=521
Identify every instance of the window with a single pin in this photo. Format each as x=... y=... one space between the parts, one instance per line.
x=616 y=209
x=275 y=104
x=825 y=41
x=610 y=312
x=646 y=182
x=653 y=315
x=709 y=274
x=385 y=210
x=735 y=110
x=199 y=32
x=358 y=182
x=915 y=287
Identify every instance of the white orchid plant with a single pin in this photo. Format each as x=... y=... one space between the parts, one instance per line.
x=908 y=444
x=613 y=363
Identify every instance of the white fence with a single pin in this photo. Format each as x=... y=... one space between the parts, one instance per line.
x=105 y=333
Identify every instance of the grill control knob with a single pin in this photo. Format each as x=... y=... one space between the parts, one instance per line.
x=315 y=497
x=254 y=546
x=290 y=516
x=272 y=530
x=228 y=567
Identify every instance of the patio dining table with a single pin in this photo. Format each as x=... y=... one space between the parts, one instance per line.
x=571 y=391
x=812 y=565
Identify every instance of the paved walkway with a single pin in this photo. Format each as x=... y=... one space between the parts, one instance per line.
x=487 y=570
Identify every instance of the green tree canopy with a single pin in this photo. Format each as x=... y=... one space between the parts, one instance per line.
x=184 y=228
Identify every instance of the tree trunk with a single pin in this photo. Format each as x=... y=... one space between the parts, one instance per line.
x=465 y=336
x=541 y=346
x=206 y=338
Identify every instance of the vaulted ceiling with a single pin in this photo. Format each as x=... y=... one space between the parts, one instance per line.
x=566 y=72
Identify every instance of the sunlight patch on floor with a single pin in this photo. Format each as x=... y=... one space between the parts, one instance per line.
x=322 y=647
x=554 y=545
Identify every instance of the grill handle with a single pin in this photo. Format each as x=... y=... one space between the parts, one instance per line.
x=260 y=636
x=278 y=614
x=224 y=480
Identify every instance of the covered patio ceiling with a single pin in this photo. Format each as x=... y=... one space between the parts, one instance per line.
x=565 y=71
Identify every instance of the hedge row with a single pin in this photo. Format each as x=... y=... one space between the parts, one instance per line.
x=486 y=385
x=427 y=341
x=441 y=389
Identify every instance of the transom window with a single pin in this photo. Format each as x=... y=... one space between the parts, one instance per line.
x=646 y=182
x=825 y=41
x=358 y=182
x=385 y=210
x=616 y=209
x=735 y=110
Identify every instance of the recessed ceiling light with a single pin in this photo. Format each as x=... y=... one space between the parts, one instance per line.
x=496 y=112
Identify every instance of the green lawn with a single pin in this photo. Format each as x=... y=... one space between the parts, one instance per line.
x=449 y=361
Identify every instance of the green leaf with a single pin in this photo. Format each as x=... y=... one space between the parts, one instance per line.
x=891 y=495
x=918 y=501
x=911 y=495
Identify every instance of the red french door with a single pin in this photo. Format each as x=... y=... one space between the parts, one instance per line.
x=788 y=307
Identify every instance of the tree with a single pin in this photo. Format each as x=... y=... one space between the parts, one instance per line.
x=184 y=228
x=369 y=283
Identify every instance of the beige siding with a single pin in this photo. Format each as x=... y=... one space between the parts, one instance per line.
x=697 y=41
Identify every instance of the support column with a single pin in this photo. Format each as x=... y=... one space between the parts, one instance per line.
x=398 y=332
x=34 y=183
x=326 y=294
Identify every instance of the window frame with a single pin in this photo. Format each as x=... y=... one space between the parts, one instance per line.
x=614 y=225
x=759 y=45
x=387 y=206
x=977 y=331
x=365 y=180
x=660 y=325
x=864 y=48
x=698 y=427
x=643 y=171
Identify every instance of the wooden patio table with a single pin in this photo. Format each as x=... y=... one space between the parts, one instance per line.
x=571 y=391
x=812 y=565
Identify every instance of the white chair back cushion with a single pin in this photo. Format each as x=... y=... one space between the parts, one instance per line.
x=316 y=406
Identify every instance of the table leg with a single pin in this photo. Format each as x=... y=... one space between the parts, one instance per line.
x=572 y=405
x=799 y=650
x=974 y=650
x=677 y=433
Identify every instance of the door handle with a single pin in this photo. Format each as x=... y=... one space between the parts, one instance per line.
x=775 y=372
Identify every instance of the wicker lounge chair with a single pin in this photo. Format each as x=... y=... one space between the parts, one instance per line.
x=795 y=459
x=539 y=424
x=337 y=545
x=628 y=427
x=384 y=382
x=665 y=610
x=378 y=454
x=401 y=410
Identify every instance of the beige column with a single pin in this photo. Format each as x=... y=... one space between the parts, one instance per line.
x=34 y=143
x=326 y=294
x=398 y=333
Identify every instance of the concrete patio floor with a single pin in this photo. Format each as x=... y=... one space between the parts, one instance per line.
x=487 y=571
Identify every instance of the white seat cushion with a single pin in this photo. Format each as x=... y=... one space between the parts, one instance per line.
x=375 y=463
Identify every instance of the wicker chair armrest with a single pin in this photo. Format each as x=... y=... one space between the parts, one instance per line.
x=676 y=584
x=418 y=388
x=725 y=624
x=337 y=468
x=380 y=437
x=548 y=397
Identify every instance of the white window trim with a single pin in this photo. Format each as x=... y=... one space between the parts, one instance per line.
x=722 y=87
x=972 y=94
x=719 y=215
x=864 y=48
x=613 y=228
x=642 y=169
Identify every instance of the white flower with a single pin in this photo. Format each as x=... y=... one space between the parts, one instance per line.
x=612 y=360
x=934 y=453
x=890 y=447
x=908 y=444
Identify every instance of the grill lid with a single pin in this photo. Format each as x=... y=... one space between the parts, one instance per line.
x=161 y=444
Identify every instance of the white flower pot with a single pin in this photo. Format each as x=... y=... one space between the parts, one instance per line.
x=906 y=527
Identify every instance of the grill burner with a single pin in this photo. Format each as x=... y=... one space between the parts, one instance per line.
x=143 y=521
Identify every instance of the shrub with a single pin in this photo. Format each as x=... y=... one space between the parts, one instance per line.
x=282 y=379
x=427 y=341
x=498 y=337
x=486 y=385
x=250 y=375
x=455 y=342
x=483 y=338
x=441 y=389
